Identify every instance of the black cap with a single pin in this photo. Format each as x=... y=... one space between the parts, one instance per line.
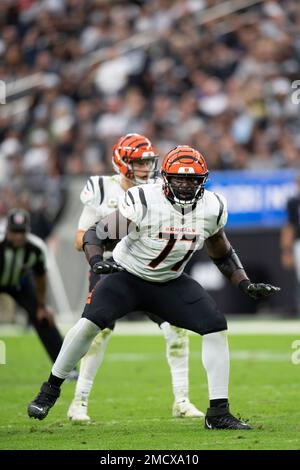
x=18 y=220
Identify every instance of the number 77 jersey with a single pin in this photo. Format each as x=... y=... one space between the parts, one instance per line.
x=166 y=235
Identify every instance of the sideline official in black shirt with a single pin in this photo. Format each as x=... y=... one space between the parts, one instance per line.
x=23 y=268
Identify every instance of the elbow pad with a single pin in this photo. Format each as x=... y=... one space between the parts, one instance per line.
x=229 y=263
x=92 y=246
x=90 y=237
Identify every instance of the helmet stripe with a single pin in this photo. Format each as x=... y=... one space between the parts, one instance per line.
x=142 y=144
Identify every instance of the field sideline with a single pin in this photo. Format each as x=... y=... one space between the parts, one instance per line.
x=132 y=399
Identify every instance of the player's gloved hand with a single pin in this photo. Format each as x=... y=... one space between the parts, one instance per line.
x=106 y=267
x=257 y=291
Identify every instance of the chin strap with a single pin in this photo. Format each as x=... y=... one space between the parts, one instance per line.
x=169 y=192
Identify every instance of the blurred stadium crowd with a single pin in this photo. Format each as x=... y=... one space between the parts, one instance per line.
x=222 y=85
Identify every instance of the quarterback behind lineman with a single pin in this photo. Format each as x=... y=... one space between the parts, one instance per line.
x=165 y=223
x=134 y=160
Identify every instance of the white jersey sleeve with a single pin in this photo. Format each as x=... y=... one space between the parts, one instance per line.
x=220 y=214
x=93 y=192
x=87 y=218
x=133 y=206
x=92 y=197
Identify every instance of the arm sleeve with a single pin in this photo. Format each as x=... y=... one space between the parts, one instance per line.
x=132 y=207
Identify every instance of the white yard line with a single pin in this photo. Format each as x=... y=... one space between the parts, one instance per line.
x=235 y=327
x=237 y=355
x=147 y=328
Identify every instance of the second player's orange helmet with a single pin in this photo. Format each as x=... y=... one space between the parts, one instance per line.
x=184 y=172
x=131 y=148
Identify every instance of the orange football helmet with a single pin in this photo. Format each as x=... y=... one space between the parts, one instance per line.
x=184 y=173
x=129 y=149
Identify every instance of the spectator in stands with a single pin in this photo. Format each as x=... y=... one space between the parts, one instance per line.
x=237 y=84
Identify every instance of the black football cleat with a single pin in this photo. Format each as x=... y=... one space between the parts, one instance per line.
x=221 y=418
x=42 y=403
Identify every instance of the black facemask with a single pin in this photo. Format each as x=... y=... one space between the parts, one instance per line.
x=185 y=189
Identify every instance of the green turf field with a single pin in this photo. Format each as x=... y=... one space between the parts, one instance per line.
x=131 y=401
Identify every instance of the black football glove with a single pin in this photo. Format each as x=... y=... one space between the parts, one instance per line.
x=258 y=291
x=106 y=267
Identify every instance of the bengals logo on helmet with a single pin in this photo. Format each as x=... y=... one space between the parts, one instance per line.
x=130 y=148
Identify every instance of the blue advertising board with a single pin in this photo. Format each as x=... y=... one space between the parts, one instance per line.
x=255 y=198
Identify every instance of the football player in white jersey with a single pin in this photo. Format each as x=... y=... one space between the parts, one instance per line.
x=164 y=224
x=135 y=162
